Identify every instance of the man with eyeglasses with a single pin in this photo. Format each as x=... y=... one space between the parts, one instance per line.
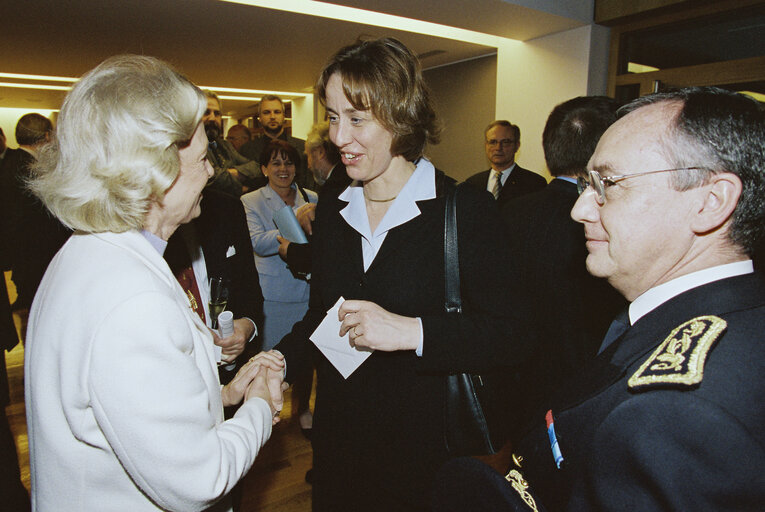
x=506 y=179
x=670 y=416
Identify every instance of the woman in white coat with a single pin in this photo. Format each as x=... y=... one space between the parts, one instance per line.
x=285 y=296
x=124 y=406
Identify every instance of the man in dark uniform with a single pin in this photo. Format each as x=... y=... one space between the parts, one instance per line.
x=670 y=416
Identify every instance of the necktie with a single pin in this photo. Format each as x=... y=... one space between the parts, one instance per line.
x=497 y=184
x=618 y=327
x=177 y=257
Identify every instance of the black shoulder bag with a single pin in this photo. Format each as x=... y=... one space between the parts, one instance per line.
x=468 y=409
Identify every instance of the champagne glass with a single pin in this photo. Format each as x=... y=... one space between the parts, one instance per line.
x=218 y=298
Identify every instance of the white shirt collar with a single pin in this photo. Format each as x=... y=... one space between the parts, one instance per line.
x=420 y=186
x=658 y=295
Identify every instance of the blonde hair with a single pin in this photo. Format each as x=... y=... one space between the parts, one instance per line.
x=116 y=146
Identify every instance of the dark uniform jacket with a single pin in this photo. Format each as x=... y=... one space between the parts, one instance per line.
x=670 y=417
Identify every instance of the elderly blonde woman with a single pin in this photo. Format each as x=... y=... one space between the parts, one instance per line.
x=124 y=407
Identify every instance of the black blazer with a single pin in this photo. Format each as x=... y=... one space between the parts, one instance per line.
x=521 y=181
x=385 y=422
x=299 y=255
x=31 y=233
x=570 y=310
x=220 y=226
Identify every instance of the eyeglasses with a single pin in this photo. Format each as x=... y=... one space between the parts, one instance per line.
x=504 y=142
x=600 y=183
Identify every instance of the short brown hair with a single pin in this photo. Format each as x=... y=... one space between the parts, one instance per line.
x=383 y=76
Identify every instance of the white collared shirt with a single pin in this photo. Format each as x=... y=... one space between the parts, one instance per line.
x=420 y=186
x=502 y=176
x=658 y=295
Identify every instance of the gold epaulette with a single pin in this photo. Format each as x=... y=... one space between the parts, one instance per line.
x=680 y=359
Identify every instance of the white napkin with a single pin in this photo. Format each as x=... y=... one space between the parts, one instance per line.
x=338 y=350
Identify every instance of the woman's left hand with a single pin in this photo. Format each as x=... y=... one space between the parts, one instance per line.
x=369 y=325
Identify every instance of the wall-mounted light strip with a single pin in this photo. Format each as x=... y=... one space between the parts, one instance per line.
x=43 y=78
x=36 y=86
x=256 y=93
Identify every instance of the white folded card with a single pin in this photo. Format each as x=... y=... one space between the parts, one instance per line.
x=338 y=350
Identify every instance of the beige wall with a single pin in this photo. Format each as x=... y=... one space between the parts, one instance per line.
x=522 y=83
x=464 y=95
x=535 y=76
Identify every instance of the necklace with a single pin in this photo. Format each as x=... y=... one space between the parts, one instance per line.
x=379 y=200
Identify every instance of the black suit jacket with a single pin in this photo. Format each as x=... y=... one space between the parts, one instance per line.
x=521 y=181
x=32 y=234
x=382 y=428
x=299 y=255
x=221 y=226
x=570 y=310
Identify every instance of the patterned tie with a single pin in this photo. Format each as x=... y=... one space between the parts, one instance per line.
x=497 y=184
x=618 y=327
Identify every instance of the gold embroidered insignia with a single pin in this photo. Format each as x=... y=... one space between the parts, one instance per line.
x=520 y=485
x=681 y=357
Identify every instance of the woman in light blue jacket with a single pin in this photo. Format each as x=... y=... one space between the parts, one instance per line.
x=285 y=296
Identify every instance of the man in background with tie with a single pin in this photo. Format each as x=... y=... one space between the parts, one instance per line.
x=506 y=179
x=670 y=415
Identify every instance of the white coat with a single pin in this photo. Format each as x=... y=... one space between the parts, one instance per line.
x=123 y=402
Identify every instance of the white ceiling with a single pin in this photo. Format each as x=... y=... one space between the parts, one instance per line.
x=232 y=45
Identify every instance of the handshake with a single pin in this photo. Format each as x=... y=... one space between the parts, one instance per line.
x=263 y=377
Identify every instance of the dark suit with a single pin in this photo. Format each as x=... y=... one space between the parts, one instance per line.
x=378 y=436
x=14 y=494
x=32 y=234
x=570 y=309
x=220 y=226
x=652 y=445
x=520 y=181
x=299 y=255
x=222 y=156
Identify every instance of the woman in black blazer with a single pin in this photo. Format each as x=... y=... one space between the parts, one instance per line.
x=378 y=435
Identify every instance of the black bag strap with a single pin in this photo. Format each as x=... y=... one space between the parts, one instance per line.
x=451 y=260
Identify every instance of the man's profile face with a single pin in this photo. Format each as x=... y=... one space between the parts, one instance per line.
x=271 y=116
x=642 y=233
x=501 y=146
x=213 y=119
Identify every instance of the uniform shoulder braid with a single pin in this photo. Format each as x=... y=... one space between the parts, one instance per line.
x=680 y=359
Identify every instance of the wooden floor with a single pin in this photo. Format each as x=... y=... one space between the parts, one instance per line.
x=275 y=483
